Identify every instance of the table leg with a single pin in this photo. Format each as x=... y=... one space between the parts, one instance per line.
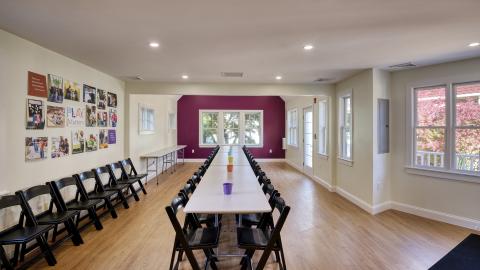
x=156 y=169
x=146 y=168
x=183 y=155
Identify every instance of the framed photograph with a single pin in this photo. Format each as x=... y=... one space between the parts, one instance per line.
x=112 y=100
x=102 y=119
x=89 y=94
x=92 y=142
x=113 y=117
x=60 y=147
x=37 y=85
x=55 y=116
x=103 y=139
x=55 y=88
x=102 y=99
x=36 y=148
x=72 y=90
x=35 y=114
x=112 y=136
x=91 y=115
x=75 y=117
x=78 y=142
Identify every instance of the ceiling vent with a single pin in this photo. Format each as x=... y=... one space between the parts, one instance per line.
x=404 y=65
x=322 y=80
x=232 y=74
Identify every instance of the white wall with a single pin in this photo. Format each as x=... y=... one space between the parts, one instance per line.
x=17 y=57
x=163 y=137
x=445 y=196
x=322 y=166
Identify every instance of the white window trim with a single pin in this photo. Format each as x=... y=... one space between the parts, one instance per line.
x=343 y=160
x=142 y=131
x=220 y=128
x=450 y=174
x=288 y=128
x=327 y=127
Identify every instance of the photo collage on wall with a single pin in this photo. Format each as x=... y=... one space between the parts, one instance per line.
x=84 y=122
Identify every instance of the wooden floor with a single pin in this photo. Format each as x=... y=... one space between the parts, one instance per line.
x=323 y=231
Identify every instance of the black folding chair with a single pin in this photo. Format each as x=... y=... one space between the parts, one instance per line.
x=102 y=173
x=265 y=237
x=130 y=173
x=24 y=232
x=49 y=216
x=191 y=237
x=98 y=192
x=207 y=219
x=250 y=220
x=79 y=202
x=118 y=175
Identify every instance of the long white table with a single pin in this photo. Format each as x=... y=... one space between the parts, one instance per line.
x=239 y=159
x=247 y=196
x=169 y=155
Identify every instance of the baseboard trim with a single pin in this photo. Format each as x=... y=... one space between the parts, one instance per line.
x=324 y=183
x=437 y=215
x=354 y=199
x=270 y=159
x=194 y=160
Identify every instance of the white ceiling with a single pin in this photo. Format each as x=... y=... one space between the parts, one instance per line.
x=262 y=38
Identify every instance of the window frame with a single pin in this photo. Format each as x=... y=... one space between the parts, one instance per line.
x=326 y=102
x=341 y=127
x=449 y=171
x=221 y=128
x=294 y=128
x=141 y=128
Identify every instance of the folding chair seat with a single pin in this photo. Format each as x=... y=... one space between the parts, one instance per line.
x=111 y=184
x=25 y=231
x=130 y=173
x=191 y=237
x=265 y=237
x=79 y=202
x=118 y=174
x=98 y=192
x=49 y=216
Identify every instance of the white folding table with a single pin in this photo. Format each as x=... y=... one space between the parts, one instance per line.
x=169 y=155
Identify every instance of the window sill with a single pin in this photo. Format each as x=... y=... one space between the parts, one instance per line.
x=448 y=175
x=322 y=156
x=146 y=132
x=345 y=162
x=292 y=146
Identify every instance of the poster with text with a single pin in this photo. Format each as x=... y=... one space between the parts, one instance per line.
x=78 y=142
x=89 y=94
x=75 y=117
x=92 y=142
x=37 y=85
x=91 y=116
x=112 y=100
x=102 y=99
x=60 y=147
x=103 y=138
x=35 y=114
x=55 y=116
x=113 y=117
x=102 y=119
x=112 y=136
x=36 y=148
x=55 y=88
x=72 y=90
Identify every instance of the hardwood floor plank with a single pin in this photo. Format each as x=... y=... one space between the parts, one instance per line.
x=323 y=231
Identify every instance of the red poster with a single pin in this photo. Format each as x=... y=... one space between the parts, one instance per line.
x=37 y=85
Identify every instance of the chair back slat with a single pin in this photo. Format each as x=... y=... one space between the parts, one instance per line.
x=36 y=191
x=9 y=201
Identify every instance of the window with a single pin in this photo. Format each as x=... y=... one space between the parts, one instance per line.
x=253 y=129
x=231 y=128
x=172 y=121
x=209 y=128
x=322 y=127
x=345 y=126
x=447 y=127
x=292 y=119
x=146 y=120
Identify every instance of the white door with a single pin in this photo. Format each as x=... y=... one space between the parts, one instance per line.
x=308 y=140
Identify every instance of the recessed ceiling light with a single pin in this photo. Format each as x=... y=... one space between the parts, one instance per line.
x=278 y=77
x=184 y=77
x=308 y=47
x=154 y=44
x=474 y=44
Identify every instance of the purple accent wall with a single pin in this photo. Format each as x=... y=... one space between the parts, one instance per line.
x=273 y=121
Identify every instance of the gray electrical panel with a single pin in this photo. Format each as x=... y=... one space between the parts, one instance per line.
x=383 y=126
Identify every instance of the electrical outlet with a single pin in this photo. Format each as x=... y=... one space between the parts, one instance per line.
x=270 y=151
x=193 y=151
